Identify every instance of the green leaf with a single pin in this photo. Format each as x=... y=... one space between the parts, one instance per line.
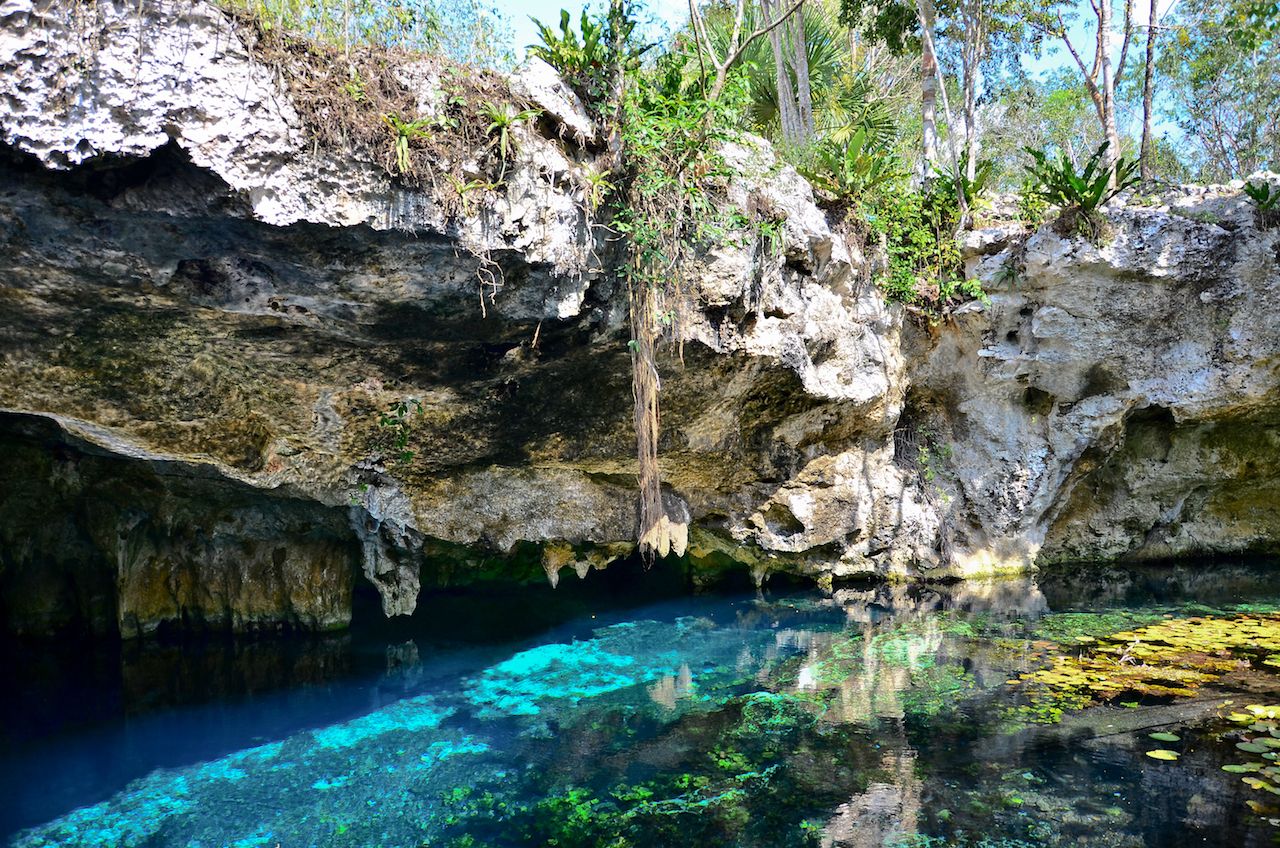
x=1162 y=754
x=1165 y=737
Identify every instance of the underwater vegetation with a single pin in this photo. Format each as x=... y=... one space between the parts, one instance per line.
x=798 y=722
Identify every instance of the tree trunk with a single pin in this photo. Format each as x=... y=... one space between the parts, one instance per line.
x=1148 y=91
x=969 y=70
x=1109 y=129
x=804 y=97
x=788 y=112
x=971 y=65
x=928 y=93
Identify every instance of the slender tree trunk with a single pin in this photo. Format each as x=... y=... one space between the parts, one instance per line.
x=971 y=62
x=788 y=111
x=928 y=93
x=970 y=71
x=804 y=96
x=1148 y=91
x=1109 y=128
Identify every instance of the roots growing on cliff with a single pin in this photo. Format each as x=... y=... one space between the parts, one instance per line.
x=658 y=534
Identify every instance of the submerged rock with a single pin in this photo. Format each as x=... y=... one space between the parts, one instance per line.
x=388 y=383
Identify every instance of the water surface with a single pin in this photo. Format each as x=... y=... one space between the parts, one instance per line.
x=876 y=716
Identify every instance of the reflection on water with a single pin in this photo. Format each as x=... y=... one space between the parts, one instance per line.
x=878 y=716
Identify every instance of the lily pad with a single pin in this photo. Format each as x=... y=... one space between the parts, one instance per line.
x=1162 y=754
x=1165 y=737
x=1252 y=747
x=1259 y=783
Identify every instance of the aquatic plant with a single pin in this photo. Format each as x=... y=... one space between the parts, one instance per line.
x=1172 y=658
x=1259 y=729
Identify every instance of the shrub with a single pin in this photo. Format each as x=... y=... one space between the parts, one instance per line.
x=503 y=119
x=1080 y=195
x=1031 y=203
x=587 y=62
x=922 y=258
x=1266 y=200
x=952 y=186
x=852 y=171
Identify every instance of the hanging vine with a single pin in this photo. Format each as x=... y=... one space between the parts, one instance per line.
x=669 y=189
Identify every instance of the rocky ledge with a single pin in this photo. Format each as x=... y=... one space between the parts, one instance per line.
x=241 y=373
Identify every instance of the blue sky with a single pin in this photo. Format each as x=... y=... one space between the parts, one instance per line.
x=668 y=14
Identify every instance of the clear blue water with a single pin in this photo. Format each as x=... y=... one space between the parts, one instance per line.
x=878 y=716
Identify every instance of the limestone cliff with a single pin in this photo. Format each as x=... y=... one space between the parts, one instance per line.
x=239 y=369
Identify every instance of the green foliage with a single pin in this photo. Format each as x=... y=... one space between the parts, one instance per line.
x=950 y=186
x=1031 y=204
x=464 y=30
x=1080 y=195
x=670 y=139
x=503 y=119
x=923 y=266
x=588 y=61
x=1266 y=199
x=1219 y=68
x=396 y=419
x=404 y=133
x=598 y=187
x=571 y=55
x=846 y=97
x=853 y=170
x=388 y=23
x=1058 y=183
x=932 y=458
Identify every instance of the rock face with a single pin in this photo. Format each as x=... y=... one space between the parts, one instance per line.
x=242 y=372
x=1123 y=401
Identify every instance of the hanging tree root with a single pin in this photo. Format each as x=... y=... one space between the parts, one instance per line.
x=658 y=534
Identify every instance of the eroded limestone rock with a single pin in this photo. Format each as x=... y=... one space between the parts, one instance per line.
x=185 y=275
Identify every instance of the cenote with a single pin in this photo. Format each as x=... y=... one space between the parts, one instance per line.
x=1084 y=707
x=708 y=424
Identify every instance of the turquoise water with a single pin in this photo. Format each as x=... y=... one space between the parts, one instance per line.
x=877 y=716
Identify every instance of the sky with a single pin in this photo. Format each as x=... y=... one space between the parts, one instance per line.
x=669 y=14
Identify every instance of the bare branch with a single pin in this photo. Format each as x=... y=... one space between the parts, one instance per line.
x=1066 y=39
x=700 y=34
x=1128 y=35
x=761 y=31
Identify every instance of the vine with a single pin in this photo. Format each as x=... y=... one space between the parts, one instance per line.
x=673 y=202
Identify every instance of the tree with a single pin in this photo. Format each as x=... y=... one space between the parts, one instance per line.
x=906 y=27
x=791 y=72
x=1101 y=76
x=1055 y=112
x=847 y=92
x=1148 y=92
x=739 y=41
x=970 y=24
x=1220 y=69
